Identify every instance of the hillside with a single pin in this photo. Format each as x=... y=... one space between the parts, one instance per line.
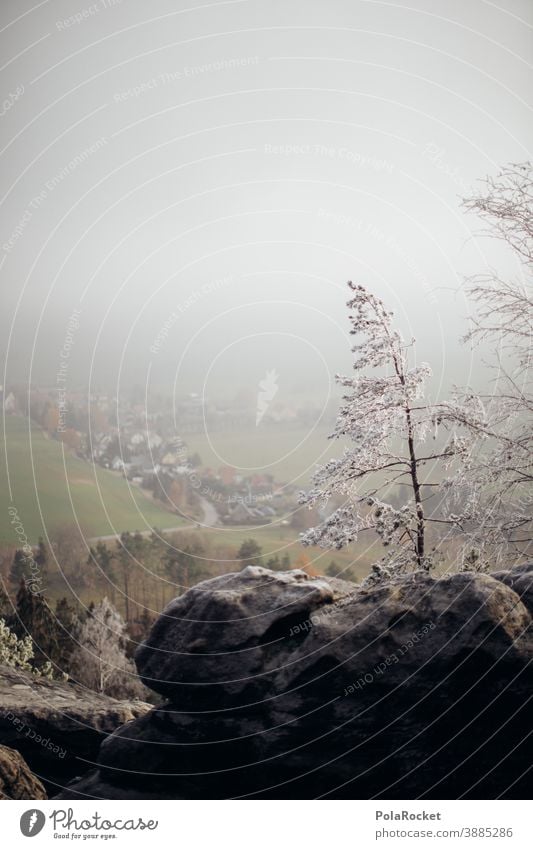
x=52 y=488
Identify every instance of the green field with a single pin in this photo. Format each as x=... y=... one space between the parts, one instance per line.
x=290 y=454
x=66 y=490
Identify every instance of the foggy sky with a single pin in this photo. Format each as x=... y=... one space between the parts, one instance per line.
x=198 y=183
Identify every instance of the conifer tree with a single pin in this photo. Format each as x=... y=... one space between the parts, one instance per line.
x=35 y=619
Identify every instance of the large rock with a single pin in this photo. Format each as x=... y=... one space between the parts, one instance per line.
x=16 y=779
x=520 y=579
x=58 y=727
x=279 y=685
x=219 y=640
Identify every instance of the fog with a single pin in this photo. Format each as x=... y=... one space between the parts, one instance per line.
x=196 y=185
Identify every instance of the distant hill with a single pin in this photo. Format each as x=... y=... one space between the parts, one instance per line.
x=52 y=488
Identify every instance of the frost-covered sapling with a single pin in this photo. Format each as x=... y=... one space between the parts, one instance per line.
x=387 y=419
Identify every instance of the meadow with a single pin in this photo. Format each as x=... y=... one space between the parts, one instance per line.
x=290 y=454
x=52 y=489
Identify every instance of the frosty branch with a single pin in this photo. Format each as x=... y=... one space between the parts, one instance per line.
x=497 y=469
x=386 y=417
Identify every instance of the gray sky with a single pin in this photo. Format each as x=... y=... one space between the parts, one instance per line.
x=200 y=183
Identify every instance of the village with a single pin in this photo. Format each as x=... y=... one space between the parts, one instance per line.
x=151 y=451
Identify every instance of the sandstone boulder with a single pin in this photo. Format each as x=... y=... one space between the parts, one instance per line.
x=16 y=779
x=520 y=579
x=283 y=686
x=58 y=727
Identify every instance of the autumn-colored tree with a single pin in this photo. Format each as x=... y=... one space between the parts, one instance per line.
x=303 y=562
x=227 y=475
x=51 y=419
x=71 y=438
x=176 y=496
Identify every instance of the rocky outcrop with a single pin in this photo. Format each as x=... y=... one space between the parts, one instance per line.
x=58 y=727
x=16 y=779
x=519 y=579
x=283 y=686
